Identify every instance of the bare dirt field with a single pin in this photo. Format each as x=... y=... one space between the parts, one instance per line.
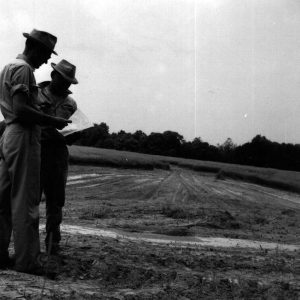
x=169 y=234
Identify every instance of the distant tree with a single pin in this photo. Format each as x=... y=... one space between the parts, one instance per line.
x=141 y=139
x=139 y=135
x=228 y=145
x=197 y=149
x=155 y=143
x=254 y=152
x=258 y=152
x=125 y=141
x=227 y=150
x=172 y=143
x=95 y=135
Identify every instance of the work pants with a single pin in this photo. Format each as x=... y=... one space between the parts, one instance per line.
x=54 y=171
x=19 y=193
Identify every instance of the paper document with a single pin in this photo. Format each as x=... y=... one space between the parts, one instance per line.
x=79 y=122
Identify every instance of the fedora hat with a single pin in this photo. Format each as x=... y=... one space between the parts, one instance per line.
x=43 y=37
x=66 y=69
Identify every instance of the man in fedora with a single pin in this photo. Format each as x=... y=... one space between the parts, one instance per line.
x=55 y=100
x=20 y=153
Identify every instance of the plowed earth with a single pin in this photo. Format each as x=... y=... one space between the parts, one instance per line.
x=134 y=234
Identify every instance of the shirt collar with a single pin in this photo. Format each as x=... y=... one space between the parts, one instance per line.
x=68 y=92
x=47 y=87
x=24 y=57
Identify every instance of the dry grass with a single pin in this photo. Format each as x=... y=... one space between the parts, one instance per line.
x=114 y=158
x=96 y=213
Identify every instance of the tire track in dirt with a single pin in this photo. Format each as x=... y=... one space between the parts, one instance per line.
x=250 y=192
x=111 y=180
x=284 y=197
x=174 y=185
x=191 y=183
x=153 y=194
x=111 y=183
x=183 y=202
x=127 y=183
x=184 y=185
x=174 y=178
x=242 y=191
x=199 y=188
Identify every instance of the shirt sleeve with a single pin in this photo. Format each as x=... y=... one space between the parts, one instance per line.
x=67 y=109
x=21 y=80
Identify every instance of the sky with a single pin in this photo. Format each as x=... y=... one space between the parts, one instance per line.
x=203 y=68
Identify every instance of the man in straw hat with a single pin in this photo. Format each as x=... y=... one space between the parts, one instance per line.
x=20 y=153
x=54 y=98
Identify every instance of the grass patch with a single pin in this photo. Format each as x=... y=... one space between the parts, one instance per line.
x=173 y=210
x=96 y=213
x=259 y=179
x=175 y=231
x=223 y=220
x=113 y=158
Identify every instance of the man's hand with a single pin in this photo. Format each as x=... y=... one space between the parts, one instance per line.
x=29 y=114
x=60 y=123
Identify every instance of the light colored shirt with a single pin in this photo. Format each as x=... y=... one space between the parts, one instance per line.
x=62 y=106
x=17 y=76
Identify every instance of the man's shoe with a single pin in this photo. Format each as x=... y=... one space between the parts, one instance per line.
x=43 y=266
x=50 y=265
x=38 y=271
x=7 y=263
x=55 y=249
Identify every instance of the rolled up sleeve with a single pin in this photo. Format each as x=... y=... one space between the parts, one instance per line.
x=21 y=80
x=19 y=88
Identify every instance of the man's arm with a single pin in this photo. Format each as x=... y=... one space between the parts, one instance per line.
x=28 y=114
x=67 y=108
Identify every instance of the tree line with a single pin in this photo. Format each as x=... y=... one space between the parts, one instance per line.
x=259 y=151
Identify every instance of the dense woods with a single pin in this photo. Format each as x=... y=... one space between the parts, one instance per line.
x=258 y=152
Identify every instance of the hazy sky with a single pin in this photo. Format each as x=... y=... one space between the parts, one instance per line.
x=208 y=68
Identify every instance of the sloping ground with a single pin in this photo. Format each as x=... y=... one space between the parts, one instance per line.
x=114 y=158
x=287 y=180
x=180 y=204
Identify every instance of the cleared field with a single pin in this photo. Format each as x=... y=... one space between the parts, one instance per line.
x=281 y=179
x=182 y=202
x=174 y=233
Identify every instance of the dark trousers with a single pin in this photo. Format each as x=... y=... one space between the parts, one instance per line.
x=54 y=171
